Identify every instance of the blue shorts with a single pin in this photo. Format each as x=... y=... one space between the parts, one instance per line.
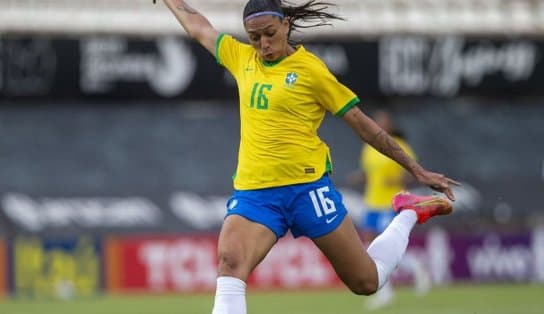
x=309 y=209
x=376 y=220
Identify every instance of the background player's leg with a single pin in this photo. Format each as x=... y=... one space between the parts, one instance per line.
x=420 y=276
x=242 y=246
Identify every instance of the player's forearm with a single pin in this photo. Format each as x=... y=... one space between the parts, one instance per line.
x=386 y=145
x=192 y=21
x=375 y=136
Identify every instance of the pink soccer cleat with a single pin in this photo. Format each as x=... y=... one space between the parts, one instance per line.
x=424 y=206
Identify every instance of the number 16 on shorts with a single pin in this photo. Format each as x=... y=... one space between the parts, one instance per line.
x=323 y=205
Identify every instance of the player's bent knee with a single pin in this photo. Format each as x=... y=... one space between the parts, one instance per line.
x=363 y=287
x=230 y=264
x=229 y=261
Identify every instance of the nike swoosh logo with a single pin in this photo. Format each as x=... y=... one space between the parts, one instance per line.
x=329 y=220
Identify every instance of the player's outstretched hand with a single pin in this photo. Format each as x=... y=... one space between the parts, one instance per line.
x=438 y=182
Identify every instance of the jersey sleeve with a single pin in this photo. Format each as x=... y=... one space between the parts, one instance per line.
x=331 y=94
x=228 y=52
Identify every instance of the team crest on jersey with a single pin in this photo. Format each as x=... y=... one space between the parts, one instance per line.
x=291 y=79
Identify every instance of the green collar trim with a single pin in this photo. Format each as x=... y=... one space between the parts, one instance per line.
x=273 y=63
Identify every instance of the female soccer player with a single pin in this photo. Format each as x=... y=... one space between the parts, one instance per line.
x=281 y=182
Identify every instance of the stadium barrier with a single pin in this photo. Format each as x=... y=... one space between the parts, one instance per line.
x=55 y=267
x=73 y=267
x=94 y=68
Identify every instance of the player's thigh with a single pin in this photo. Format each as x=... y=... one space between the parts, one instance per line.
x=242 y=245
x=346 y=253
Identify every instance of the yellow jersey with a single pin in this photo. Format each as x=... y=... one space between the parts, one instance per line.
x=282 y=104
x=384 y=177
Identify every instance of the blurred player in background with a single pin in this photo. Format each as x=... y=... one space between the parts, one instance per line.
x=382 y=178
x=281 y=181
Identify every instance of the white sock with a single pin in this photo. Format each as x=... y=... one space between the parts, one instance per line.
x=230 y=296
x=389 y=247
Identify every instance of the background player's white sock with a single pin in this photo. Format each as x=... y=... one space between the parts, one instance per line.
x=389 y=247
x=230 y=296
x=383 y=297
x=420 y=275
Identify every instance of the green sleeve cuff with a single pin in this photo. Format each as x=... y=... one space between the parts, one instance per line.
x=217 y=43
x=348 y=106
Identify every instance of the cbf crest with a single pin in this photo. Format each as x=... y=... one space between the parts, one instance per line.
x=291 y=79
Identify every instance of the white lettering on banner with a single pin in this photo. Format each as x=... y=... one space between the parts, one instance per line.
x=106 y=61
x=354 y=203
x=416 y=65
x=38 y=214
x=201 y=213
x=494 y=261
x=439 y=255
x=185 y=265
x=334 y=56
x=294 y=263
x=30 y=67
x=537 y=243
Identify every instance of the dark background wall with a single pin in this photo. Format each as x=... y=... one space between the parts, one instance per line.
x=115 y=134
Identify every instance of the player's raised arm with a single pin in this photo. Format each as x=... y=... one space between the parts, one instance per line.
x=372 y=134
x=194 y=23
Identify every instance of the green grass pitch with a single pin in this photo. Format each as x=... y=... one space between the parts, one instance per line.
x=472 y=299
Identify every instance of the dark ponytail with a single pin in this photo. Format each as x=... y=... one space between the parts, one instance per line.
x=310 y=14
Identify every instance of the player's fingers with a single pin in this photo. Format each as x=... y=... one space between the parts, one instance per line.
x=453 y=182
x=448 y=192
x=444 y=188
